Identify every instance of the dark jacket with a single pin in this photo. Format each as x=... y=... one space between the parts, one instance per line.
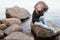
x=35 y=17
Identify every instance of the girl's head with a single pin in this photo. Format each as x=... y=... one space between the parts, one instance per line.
x=41 y=6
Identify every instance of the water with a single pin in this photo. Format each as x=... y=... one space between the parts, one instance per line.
x=52 y=14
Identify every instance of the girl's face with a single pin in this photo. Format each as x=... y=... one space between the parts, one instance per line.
x=39 y=7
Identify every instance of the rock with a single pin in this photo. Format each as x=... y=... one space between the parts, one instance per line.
x=17 y=12
x=13 y=28
x=0 y=22
x=51 y=24
x=3 y=26
x=18 y=36
x=41 y=33
x=10 y=21
x=1 y=34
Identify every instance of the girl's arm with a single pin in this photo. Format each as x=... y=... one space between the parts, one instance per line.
x=34 y=19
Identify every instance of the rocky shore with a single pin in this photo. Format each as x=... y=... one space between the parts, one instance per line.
x=11 y=27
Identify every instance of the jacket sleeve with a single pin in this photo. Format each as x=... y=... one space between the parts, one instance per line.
x=34 y=19
x=33 y=16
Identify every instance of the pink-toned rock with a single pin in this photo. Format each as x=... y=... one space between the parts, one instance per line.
x=18 y=36
x=13 y=28
x=17 y=12
x=3 y=26
x=10 y=21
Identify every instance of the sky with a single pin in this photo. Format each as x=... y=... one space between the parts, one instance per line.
x=54 y=6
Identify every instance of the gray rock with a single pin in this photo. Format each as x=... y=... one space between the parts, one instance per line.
x=13 y=28
x=17 y=12
x=19 y=36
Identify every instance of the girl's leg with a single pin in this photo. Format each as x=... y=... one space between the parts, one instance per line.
x=45 y=26
x=42 y=19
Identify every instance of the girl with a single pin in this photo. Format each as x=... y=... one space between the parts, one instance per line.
x=38 y=15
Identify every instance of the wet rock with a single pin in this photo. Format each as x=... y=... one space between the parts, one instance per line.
x=17 y=12
x=13 y=28
x=11 y=21
x=3 y=26
x=19 y=36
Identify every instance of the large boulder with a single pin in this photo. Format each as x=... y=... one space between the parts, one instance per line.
x=12 y=28
x=41 y=33
x=17 y=12
x=19 y=36
x=11 y=21
x=3 y=26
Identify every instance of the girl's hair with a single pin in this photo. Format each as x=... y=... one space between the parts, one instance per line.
x=45 y=7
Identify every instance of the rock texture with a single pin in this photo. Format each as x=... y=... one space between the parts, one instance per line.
x=13 y=28
x=1 y=34
x=17 y=12
x=11 y=21
x=3 y=26
x=19 y=36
